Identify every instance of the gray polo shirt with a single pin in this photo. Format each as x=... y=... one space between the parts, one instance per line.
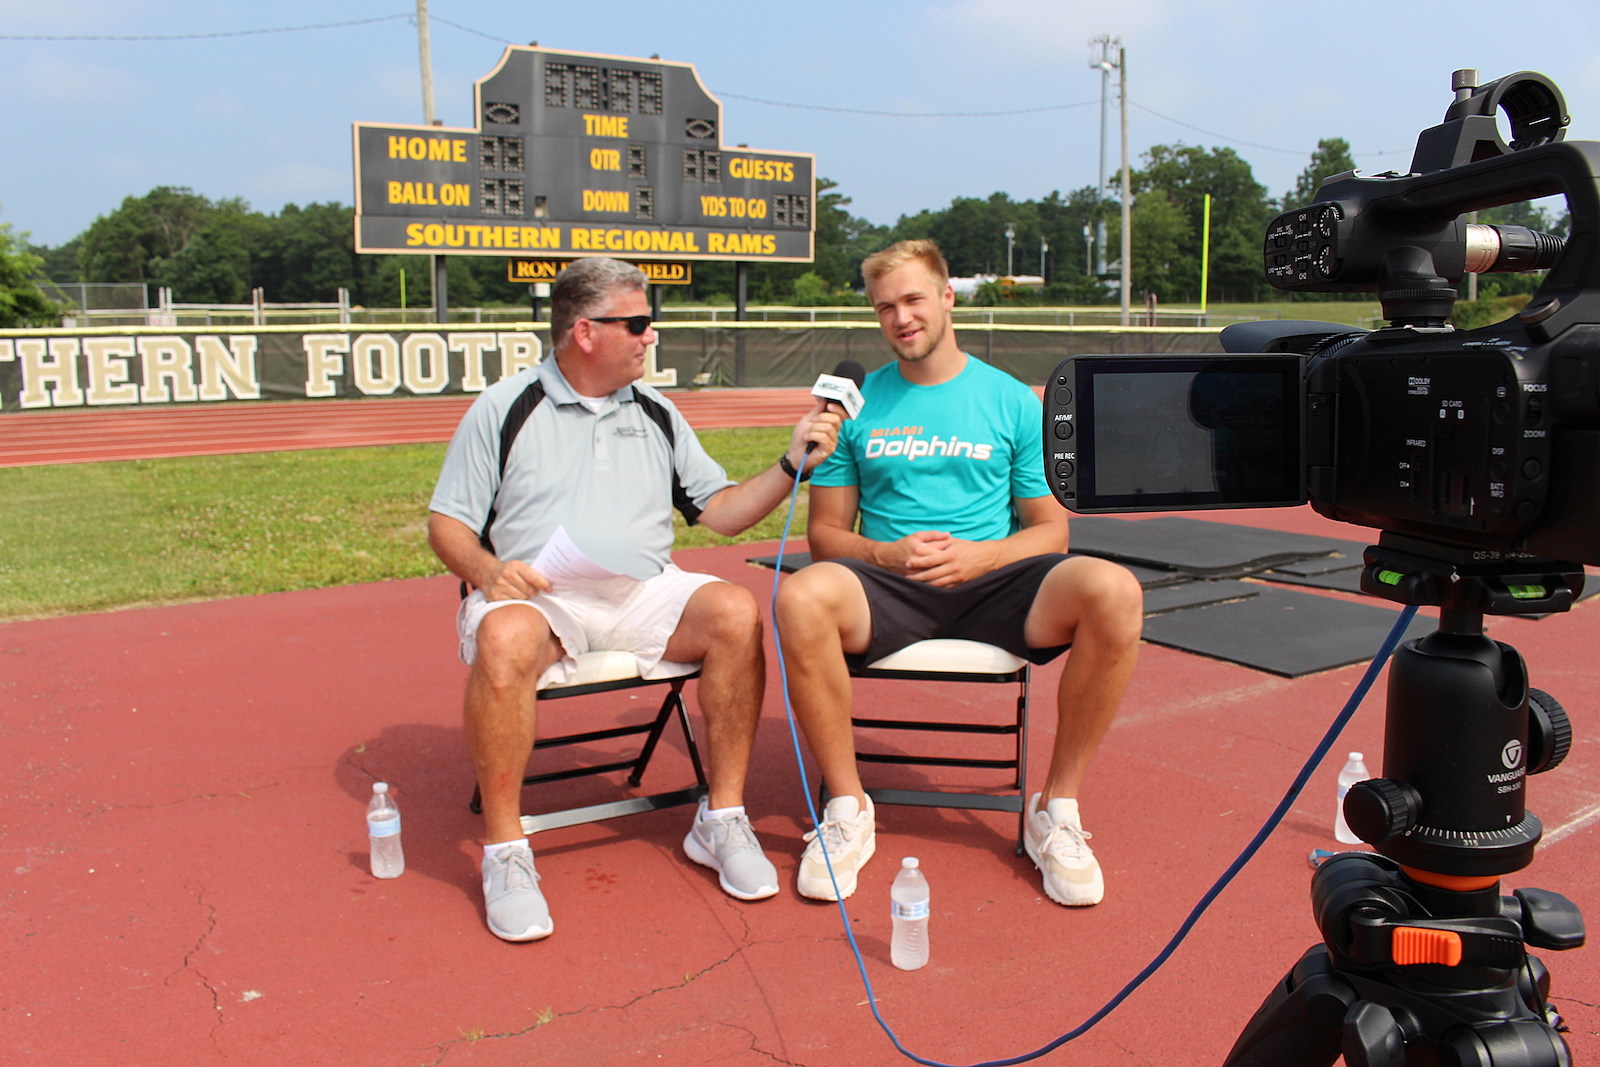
x=606 y=477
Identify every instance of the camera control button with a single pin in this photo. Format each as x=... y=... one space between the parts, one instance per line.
x=1064 y=430
x=1064 y=468
x=1062 y=396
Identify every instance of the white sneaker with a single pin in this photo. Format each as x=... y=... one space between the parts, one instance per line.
x=728 y=846
x=512 y=903
x=1059 y=846
x=850 y=836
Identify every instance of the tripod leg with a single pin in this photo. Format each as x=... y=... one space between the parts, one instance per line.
x=1300 y=1021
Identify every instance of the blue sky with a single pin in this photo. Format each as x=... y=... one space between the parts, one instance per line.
x=267 y=115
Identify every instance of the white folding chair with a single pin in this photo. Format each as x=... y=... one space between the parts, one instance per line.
x=954 y=660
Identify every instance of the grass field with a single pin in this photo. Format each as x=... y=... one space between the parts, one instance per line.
x=101 y=536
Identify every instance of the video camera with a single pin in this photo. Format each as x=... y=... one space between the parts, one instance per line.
x=1487 y=440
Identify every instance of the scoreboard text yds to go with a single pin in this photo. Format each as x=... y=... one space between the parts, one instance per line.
x=574 y=155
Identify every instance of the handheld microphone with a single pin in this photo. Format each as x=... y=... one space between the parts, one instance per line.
x=842 y=387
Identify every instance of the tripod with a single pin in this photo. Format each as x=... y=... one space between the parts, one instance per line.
x=1423 y=962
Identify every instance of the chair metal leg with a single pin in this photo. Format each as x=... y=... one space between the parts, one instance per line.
x=672 y=706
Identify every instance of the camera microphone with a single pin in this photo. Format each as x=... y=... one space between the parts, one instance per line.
x=1510 y=248
x=842 y=387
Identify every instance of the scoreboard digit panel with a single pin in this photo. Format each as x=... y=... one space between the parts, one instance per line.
x=577 y=154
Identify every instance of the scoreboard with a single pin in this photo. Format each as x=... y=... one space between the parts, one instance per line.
x=576 y=154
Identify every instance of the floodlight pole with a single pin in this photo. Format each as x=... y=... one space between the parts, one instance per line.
x=1102 y=62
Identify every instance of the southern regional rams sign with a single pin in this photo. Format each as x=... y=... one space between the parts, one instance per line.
x=577 y=154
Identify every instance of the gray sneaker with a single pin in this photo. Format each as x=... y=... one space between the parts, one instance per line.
x=849 y=833
x=515 y=908
x=729 y=847
x=1059 y=846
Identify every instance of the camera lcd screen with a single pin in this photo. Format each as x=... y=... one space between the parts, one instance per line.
x=1158 y=433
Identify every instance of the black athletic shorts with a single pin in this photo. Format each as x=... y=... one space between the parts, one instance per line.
x=992 y=609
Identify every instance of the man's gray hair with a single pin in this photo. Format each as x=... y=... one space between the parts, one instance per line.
x=585 y=288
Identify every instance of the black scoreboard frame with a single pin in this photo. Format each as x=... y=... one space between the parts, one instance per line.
x=578 y=154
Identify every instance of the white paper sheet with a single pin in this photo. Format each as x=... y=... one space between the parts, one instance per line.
x=567 y=566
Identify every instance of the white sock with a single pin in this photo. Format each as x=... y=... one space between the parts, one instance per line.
x=1064 y=811
x=724 y=813
x=491 y=851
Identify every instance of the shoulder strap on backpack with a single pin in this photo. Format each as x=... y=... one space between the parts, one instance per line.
x=521 y=408
x=663 y=419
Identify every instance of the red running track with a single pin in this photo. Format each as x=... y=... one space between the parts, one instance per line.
x=87 y=436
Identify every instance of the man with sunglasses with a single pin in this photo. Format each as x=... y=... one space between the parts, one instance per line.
x=606 y=459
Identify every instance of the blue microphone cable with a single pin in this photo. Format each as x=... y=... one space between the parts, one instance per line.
x=1278 y=814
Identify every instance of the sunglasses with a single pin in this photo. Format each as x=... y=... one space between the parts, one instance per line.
x=637 y=324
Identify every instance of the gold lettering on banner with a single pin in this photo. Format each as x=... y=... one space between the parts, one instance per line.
x=106 y=361
x=472 y=347
x=228 y=366
x=168 y=370
x=425 y=363
x=375 y=364
x=49 y=372
x=325 y=355
x=518 y=352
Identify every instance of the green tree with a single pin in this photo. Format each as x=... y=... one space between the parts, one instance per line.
x=22 y=303
x=307 y=254
x=1331 y=157
x=1240 y=211
x=1166 y=255
x=214 y=264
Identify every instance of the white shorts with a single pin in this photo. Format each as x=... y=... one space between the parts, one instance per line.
x=632 y=615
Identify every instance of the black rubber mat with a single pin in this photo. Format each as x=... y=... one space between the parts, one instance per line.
x=792 y=561
x=1282 y=631
x=1194 y=546
x=1345 y=579
x=1196 y=593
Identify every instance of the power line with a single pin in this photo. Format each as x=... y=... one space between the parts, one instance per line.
x=910 y=114
x=469 y=29
x=203 y=36
x=730 y=96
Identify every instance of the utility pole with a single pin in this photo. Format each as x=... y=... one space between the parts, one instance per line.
x=425 y=50
x=1105 y=62
x=441 y=295
x=1127 y=191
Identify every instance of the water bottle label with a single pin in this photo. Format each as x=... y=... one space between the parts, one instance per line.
x=383 y=827
x=915 y=910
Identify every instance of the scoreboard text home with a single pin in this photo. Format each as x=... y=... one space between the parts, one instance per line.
x=575 y=155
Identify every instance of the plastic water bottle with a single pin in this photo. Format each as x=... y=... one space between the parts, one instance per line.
x=383 y=832
x=1354 y=771
x=908 y=945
